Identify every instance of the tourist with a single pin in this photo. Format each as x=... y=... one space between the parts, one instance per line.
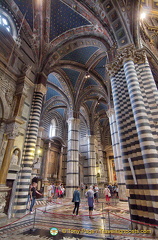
x=49 y=189
x=107 y=194
x=90 y=195
x=53 y=190
x=33 y=192
x=76 y=200
x=96 y=193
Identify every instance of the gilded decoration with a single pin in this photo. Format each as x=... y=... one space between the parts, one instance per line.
x=124 y=54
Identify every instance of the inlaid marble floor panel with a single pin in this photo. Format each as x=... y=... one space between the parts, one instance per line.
x=58 y=219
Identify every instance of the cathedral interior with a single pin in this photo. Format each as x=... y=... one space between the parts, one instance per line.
x=79 y=100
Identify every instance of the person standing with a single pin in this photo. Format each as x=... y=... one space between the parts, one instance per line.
x=28 y=198
x=76 y=200
x=33 y=192
x=107 y=194
x=53 y=190
x=90 y=195
x=96 y=193
x=49 y=189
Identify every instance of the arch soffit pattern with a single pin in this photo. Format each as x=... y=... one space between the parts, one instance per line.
x=53 y=103
x=57 y=53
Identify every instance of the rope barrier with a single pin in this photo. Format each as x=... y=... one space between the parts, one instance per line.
x=148 y=224
x=60 y=214
x=15 y=221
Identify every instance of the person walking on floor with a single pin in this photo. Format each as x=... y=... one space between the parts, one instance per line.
x=33 y=192
x=90 y=195
x=76 y=200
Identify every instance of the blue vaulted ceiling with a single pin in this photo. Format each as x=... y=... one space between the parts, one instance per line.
x=51 y=93
x=90 y=82
x=100 y=67
x=63 y=18
x=61 y=111
x=81 y=55
x=102 y=120
x=89 y=104
x=26 y=8
x=54 y=80
x=101 y=106
x=72 y=74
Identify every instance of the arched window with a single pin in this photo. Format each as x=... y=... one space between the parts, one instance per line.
x=53 y=128
x=7 y=22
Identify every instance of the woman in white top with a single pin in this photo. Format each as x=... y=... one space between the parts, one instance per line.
x=107 y=194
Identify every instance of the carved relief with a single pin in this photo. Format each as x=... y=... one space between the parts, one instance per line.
x=2 y=202
x=26 y=69
x=7 y=89
x=12 y=130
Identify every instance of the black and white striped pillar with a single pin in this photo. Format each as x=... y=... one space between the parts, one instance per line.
x=91 y=160
x=72 y=179
x=24 y=178
x=147 y=180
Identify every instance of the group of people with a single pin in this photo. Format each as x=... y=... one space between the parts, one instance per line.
x=92 y=195
x=58 y=191
x=55 y=191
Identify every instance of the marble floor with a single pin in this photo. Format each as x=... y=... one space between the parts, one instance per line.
x=55 y=221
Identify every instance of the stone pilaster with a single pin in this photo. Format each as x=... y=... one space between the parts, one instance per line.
x=117 y=155
x=59 y=177
x=12 y=130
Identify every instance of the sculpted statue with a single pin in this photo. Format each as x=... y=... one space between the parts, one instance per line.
x=15 y=157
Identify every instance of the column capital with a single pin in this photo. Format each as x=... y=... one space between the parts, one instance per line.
x=124 y=54
x=110 y=112
x=12 y=129
x=76 y=120
x=40 y=88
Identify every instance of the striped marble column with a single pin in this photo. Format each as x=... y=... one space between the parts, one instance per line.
x=148 y=148
x=138 y=140
x=91 y=160
x=72 y=179
x=29 y=151
x=117 y=155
